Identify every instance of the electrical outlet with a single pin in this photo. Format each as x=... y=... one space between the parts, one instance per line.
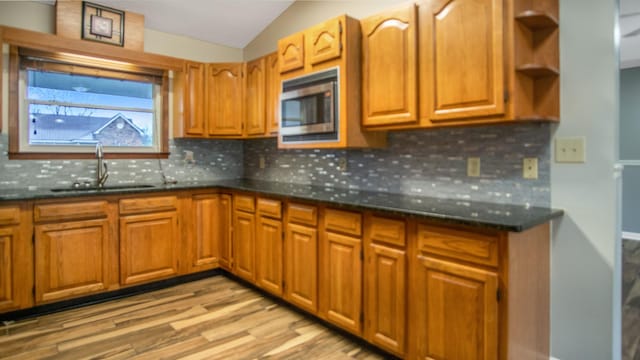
x=530 y=168
x=570 y=150
x=342 y=164
x=262 y=161
x=473 y=167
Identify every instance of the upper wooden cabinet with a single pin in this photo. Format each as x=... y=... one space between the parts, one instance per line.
x=481 y=61
x=462 y=74
x=225 y=99
x=255 y=111
x=194 y=92
x=390 y=67
x=324 y=41
x=272 y=96
x=291 y=52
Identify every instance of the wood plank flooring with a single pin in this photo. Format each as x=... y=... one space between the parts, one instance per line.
x=214 y=318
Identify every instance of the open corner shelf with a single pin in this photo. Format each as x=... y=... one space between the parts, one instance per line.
x=537 y=20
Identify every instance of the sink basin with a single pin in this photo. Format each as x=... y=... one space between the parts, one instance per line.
x=105 y=188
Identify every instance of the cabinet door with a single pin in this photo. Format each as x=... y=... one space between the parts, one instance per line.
x=16 y=269
x=386 y=298
x=225 y=99
x=389 y=69
x=324 y=41
x=255 y=98
x=148 y=247
x=291 y=52
x=194 y=104
x=207 y=231
x=72 y=259
x=341 y=281
x=273 y=94
x=455 y=313
x=224 y=231
x=462 y=58
x=269 y=255
x=301 y=277
x=244 y=245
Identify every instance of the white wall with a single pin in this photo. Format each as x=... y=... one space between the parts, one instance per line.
x=41 y=17
x=305 y=13
x=584 y=252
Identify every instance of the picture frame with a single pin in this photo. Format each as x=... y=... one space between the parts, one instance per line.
x=102 y=24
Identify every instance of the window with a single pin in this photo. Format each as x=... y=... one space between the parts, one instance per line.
x=67 y=104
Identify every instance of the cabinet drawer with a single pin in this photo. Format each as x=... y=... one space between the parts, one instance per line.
x=303 y=214
x=69 y=211
x=270 y=208
x=343 y=221
x=148 y=204
x=387 y=231
x=9 y=215
x=244 y=203
x=464 y=245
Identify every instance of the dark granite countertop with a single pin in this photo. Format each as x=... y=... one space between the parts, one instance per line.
x=488 y=215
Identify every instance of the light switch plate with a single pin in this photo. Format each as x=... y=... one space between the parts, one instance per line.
x=530 y=168
x=473 y=167
x=570 y=149
x=262 y=161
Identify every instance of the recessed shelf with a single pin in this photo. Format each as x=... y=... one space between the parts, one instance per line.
x=537 y=70
x=537 y=19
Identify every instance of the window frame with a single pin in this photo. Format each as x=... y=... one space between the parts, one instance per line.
x=84 y=65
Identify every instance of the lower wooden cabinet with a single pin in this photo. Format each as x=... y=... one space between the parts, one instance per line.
x=209 y=235
x=301 y=266
x=341 y=281
x=269 y=243
x=225 y=242
x=16 y=258
x=148 y=247
x=244 y=233
x=455 y=311
x=71 y=259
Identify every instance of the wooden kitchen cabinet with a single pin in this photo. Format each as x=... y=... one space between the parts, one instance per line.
x=462 y=71
x=225 y=99
x=341 y=270
x=16 y=257
x=255 y=91
x=194 y=105
x=385 y=283
x=390 y=68
x=210 y=232
x=272 y=96
x=456 y=311
x=149 y=239
x=301 y=257
x=269 y=246
x=225 y=224
x=244 y=237
x=74 y=252
x=291 y=52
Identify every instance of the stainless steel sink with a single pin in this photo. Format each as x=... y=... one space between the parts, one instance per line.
x=104 y=188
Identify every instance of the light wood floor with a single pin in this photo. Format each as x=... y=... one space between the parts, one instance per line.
x=214 y=318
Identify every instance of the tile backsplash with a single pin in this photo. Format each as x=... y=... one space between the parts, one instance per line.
x=212 y=160
x=423 y=163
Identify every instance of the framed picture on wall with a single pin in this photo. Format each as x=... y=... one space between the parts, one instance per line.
x=102 y=24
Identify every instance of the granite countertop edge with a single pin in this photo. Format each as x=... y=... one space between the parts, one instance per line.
x=504 y=217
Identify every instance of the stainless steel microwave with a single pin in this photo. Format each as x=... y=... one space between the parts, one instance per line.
x=309 y=107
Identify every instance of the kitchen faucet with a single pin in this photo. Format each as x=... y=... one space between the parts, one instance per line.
x=102 y=172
